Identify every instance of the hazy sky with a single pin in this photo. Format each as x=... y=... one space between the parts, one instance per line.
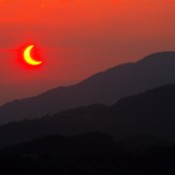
x=78 y=38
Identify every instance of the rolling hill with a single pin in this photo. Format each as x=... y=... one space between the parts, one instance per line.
x=147 y=114
x=105 y=88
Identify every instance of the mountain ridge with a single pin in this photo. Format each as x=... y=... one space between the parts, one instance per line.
x=150 y=113
x=105 y=87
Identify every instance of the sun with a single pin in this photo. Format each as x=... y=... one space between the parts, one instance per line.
x=28 y=58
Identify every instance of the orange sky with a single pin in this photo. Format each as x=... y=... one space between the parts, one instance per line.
x=78 y=38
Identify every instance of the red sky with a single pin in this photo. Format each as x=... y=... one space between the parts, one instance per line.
x=78 y=38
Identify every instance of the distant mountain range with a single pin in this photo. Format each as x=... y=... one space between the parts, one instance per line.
x=151 y=113
x=105 y=88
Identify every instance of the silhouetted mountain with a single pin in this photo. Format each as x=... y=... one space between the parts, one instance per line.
x=66 y=147
x=87 y=154
x=105 y=87
x=140 y=143
x=150 y=113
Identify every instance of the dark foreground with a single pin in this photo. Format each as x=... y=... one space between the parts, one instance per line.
x=90 y=154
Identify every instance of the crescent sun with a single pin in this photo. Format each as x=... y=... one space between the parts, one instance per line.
x=28 y=58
